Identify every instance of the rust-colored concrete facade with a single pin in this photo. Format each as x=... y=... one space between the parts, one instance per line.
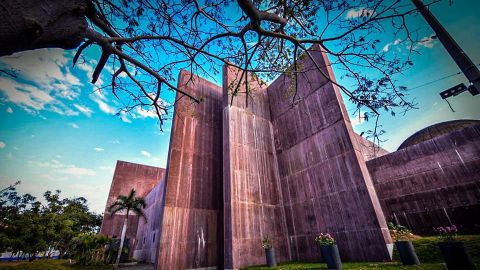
x=325 y=182
x=148 y=230
x=288 y=166
x=434 y=182
x=192 y=221
x=129 y=175
x=293 y=169
x=252 y=199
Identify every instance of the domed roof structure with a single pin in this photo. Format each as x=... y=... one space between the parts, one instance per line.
x=436 y=130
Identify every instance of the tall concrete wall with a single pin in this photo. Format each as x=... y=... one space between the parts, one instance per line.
x=325 y=183
x=432 y=183
x=192 y=229
x=252 y=201
x=127 y=176
x=148 y=232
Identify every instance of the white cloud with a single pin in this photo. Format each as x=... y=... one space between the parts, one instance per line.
x=29 y=97
x=359 y=12
x=98 y=149
x=46 y=81
x=2 y=145
x=103 y=106
x=124 y=117
x=39 y=164
x=107 y=168
x=58 y=167
x=387 y=46
x=87 y=67
x=355 y=121
x=145 y=153
x=84 y=109
x=146 y=113
x=99 y=97
x=115 y=142
x=9 y=110
x=76 y=171
x=73 y=125
x=425 y=42
x=428 y=42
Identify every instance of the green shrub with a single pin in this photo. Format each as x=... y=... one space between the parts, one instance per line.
x=90 y=249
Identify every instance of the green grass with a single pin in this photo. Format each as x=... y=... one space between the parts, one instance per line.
x=426 y=248
x=427 y=251
x=389 y=265
x=49 y=265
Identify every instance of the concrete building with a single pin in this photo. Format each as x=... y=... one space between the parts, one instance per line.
x=127 y=176
x=289 y=167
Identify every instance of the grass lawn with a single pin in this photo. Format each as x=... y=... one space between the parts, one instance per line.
x=427 y=251
x=389 y=265
x=48 y=265
x=426 y=248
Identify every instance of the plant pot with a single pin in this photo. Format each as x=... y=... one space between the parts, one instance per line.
x=456 y=256
x=331 y=256
x=407 y=252
x=270 y=256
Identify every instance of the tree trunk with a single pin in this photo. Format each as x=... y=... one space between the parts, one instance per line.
x=122 y=239
x=33 y=24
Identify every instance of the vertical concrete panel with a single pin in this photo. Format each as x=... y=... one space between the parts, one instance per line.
x=127 y=176
x=148 y=231
x=252 y=206
x=323 y=155
x=192 y=230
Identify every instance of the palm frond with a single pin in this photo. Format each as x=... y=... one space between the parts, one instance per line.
x=141 y=213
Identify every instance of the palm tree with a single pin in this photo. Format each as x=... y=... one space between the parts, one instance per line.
x=127 y=203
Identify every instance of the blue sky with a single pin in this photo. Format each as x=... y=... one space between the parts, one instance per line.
x=57 y=131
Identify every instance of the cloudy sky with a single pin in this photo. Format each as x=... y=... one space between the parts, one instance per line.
x=58 y=131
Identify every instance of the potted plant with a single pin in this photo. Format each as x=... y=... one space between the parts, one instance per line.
x=453 y=251
x=269 y=251
x=329 y=249
x=402 y=235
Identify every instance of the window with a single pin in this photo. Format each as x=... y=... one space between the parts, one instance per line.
x=153 y=240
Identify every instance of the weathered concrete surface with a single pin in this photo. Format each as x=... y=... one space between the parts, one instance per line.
x=192 y=225
x=252 y=201
x=148 y=232
x=325 y=183
x=368 y=149
x=289 y=166
x=433 y=182
x=129 y=175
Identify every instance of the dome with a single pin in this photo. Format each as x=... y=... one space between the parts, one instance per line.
x=436 y=130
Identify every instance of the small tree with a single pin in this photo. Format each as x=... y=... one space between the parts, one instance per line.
x=127 y=203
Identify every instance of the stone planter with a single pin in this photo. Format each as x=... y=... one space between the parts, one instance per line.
x=270 y=256
x=331 y=256
x=456 y=256
x=407 y=252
